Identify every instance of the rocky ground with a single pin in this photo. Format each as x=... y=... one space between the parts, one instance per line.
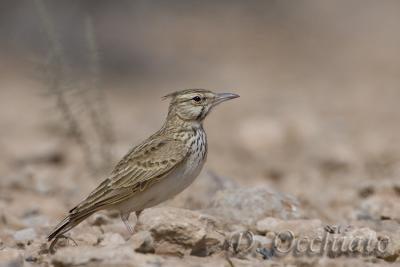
x=307 y=159
x=312 y=168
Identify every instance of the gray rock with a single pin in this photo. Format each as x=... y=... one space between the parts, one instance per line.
x=36 y=221
x=112 y=239
x=142 y=242
x=379 y=207
x=298 y=227
x=246 y=206
x=179 y=231
x=121 y=255
x=11 y=258
x=27 y=234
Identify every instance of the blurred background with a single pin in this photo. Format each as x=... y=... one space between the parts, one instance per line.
x=318 y=117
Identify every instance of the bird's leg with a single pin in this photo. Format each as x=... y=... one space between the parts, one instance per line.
x=138 y=214
x=51 y=247
x=125 y=219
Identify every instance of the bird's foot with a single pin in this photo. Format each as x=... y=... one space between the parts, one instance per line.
x=54 y=242
x=125 y=219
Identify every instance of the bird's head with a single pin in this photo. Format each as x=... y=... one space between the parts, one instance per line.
x=195 y=104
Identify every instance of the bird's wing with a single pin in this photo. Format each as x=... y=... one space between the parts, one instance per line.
x=141 y=167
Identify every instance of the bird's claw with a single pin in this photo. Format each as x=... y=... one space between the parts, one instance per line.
x=54 y=242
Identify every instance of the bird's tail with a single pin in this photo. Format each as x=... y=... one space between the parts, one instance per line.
x=68 y=223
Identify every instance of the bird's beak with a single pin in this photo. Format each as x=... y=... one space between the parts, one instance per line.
x=221 y=97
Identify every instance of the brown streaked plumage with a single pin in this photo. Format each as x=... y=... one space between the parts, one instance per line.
x=157 y=169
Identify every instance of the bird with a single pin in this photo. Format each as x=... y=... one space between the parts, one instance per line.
x=158 y=168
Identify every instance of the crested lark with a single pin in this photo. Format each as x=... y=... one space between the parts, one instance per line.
x=157 y=169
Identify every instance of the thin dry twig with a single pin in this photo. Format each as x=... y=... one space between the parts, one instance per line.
x=90 y=100
x=100 y=117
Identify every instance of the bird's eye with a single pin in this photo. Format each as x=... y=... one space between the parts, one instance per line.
x=197 y=98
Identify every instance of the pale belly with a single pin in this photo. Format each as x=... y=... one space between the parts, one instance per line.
x=168 y=187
